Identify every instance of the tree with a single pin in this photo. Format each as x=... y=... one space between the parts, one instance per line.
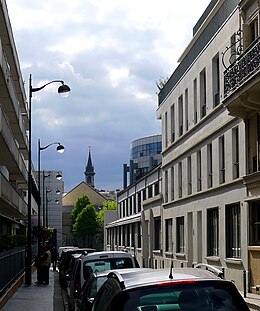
x=80 y=204
x=86 y=225
x=161 y=83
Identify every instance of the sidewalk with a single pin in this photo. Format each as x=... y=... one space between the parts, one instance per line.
x=253 y=301
x=37 y=297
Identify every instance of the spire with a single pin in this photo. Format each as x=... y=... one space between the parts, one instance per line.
x=89 y=171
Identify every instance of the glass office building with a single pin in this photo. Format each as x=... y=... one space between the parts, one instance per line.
x=145 y=154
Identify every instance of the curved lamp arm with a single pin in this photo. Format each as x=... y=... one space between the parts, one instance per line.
x=62 y=89
x=60 y=148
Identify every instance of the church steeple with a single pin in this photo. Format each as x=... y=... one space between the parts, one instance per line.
x=89 y=171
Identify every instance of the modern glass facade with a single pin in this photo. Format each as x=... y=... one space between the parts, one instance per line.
x=145 y=154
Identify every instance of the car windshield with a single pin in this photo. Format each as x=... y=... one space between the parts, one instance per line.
x=202 y=296
x=105 y=264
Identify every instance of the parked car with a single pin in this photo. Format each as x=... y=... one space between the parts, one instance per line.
x=92 y=285
x=178 y=289
x=64 y=262
x=62 y=248
x=95 y=262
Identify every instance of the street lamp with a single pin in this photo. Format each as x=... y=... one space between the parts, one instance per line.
x=60 y=149
x=63 y=89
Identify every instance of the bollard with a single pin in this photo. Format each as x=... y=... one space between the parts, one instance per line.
x=223 y=272
x=244 y=281
x=181 y=264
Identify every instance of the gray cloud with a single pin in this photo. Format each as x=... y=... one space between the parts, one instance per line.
x=111 y=57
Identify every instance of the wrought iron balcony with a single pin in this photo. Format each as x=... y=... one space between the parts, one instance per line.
x=242 y=69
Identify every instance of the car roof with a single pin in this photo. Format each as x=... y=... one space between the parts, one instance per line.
x=106 y=254
x=121 y=271
x=155 y=276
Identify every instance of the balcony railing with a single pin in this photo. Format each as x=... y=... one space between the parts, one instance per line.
x=242 y=69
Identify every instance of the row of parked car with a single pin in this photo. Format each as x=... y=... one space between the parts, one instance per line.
x=109 y=281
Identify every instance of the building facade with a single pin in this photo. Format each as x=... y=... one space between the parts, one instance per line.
x=209 y=109
x=13 y=139
x=52 y=189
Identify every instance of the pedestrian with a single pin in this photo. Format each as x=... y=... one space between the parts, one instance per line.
x=54 y=257
x=46 y=263
x=38 y=265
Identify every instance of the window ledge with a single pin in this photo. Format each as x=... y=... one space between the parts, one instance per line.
x=213 y=258
x=168 y=254
x=236 y=261
x=157 y=252
x=182 y=255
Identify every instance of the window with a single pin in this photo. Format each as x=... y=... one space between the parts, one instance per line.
x=144 y=194
x=180 y=105
x=157 y=233
x=216 y=80
x=209 y=164
x=139 y=201
x=199 y=170
x=172 y=123
x=235 y=152
x=180 y=235
x=127 y=228
x=139 y=237
x=156 y=188
x=253 y=149
x=166 y=185
x=133 y=235
x=213 y=232
x=203 y=92
x=186 y=110
x=195 y=95
x=221 y=159
x=168 y=235
x=180 y=178
x=254 y=218
x=233 y=236
x=150 y=191
x=172 y=183
x=250 y=31
x=166 y=130
x=130 y=206
x=189 y=175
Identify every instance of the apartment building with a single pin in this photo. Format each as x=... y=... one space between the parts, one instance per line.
x=13 y=140
x=208 y=210
x=210 y=150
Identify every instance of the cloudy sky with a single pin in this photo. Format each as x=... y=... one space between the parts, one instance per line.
x=111 y=53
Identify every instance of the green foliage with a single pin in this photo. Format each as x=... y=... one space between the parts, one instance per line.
x=11 y=241
x=80 y=204
x=86 y=225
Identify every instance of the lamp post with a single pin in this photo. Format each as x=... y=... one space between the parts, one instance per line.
x=63 y=89
x=59 y=149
